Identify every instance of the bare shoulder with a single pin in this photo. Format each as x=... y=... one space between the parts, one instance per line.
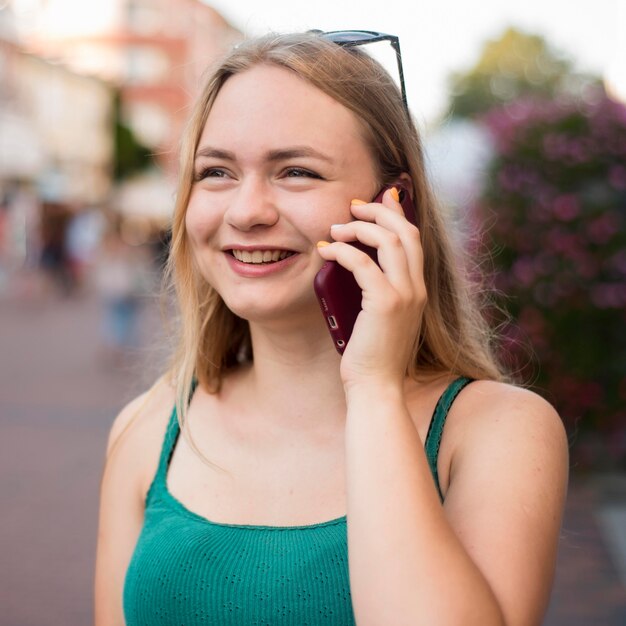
x=508 y=462
x=490 y=412
x=510 y=444
x=137 y=432
x=132 y=458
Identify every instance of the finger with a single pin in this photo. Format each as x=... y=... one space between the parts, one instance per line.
x=391 y=253
x=391 y=198
x=367 y=274
x=389 y=219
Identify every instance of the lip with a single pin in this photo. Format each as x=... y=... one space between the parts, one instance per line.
x=258 y=270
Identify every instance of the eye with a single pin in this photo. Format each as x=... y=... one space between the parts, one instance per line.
x=300 y=172
x=209 y=172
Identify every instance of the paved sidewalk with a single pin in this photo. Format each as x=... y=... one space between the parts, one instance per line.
x=57 y=400
x=588 y=589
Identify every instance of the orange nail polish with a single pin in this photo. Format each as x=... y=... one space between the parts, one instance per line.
x=395 y=195
x=357 y=201
x=322 y=244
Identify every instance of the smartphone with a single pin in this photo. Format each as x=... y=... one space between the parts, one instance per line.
x=338 y=292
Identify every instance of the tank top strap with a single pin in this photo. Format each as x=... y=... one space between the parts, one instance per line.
x=169 y=443
x=435 y=429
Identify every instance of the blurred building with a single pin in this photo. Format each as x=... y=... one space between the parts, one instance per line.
x=153 y=51
x=72 y=74
x=55 y=129
x=55 y=146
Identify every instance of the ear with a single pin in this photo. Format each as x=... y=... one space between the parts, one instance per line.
x=406 y=181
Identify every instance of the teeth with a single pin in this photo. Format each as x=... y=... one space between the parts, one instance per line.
x=261 y=256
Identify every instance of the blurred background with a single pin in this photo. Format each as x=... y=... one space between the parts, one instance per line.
x=523 y=114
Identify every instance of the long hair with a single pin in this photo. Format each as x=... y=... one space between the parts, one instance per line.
x=454 y=337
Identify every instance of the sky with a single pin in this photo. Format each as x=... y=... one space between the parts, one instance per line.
x=441 y=36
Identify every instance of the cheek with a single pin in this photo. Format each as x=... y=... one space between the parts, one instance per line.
x=200 y=221
x=337 y=212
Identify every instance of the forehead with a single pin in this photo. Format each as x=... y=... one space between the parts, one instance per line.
x=273 y=106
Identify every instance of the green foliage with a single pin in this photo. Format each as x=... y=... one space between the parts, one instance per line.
x=513 y=66
x=130 y=155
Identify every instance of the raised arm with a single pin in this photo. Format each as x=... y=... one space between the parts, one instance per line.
x=487 y=556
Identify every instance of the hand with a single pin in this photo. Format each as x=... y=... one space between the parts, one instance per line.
x=394 y=294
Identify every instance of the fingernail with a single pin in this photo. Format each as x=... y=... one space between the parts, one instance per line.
x=395 y=195
x=357 y=201
x=336 y=225
x=322 y=244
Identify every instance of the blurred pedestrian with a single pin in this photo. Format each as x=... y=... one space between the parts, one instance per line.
x=122 y=281
x=83 y=236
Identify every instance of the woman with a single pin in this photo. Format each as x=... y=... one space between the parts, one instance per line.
x=301 y=491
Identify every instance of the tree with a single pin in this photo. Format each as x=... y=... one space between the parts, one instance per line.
x=516 y=65
x=130 y=155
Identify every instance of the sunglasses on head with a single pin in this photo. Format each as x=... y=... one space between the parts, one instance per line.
x=353 y=38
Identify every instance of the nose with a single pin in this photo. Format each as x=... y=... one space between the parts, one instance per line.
x=251 y=205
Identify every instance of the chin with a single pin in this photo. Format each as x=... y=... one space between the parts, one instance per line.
x=275 y=309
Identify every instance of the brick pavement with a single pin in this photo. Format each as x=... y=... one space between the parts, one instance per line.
x=57 y=400
x=588 y=590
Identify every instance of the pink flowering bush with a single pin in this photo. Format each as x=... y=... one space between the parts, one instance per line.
x=555 y=207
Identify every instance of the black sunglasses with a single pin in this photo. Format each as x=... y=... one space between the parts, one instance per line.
x=353 y=38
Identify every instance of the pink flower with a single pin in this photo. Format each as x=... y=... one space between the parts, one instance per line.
x=602 y=229
x=618 y=262
x=524 y=270
x=617 y=177
x=609 y=296
x=566 y=207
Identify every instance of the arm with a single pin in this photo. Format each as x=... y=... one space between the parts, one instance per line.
x=120 y=520
x=131 y=460
x=487 y=557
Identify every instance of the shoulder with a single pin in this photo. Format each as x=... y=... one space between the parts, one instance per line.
x=487 y=406
x=146 y=411
x=137 y=433
x=503 y=471
x=506 y=490
x=133 y=451
x=508 y=429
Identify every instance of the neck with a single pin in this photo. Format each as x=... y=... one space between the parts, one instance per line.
x=294 y=378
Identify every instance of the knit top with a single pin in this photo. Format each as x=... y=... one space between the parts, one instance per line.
x=187 y=570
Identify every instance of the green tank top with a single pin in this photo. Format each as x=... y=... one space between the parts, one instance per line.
x=187 y=570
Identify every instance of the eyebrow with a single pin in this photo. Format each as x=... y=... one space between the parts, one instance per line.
x=272 y=155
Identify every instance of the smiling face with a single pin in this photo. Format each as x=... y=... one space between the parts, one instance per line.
x=277 y=163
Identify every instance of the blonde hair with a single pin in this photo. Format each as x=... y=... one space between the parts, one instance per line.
x=454 y=336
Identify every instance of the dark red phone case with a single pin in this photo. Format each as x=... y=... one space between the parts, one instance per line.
x=337 y=291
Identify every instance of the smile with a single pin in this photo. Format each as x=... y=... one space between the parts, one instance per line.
x=257 y=257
